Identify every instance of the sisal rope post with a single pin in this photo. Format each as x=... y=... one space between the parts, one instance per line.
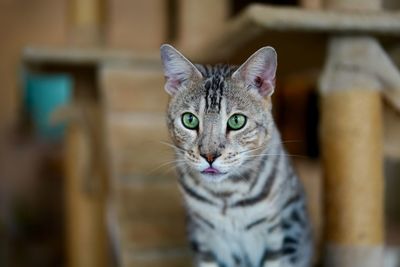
x=356 y=71
x=351 y=138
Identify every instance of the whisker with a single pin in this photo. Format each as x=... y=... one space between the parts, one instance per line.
x=165 y=164
x=173 y=146
x=253 y=149
x=266 y=145
x=241 y=176
x=169 y=169
x=284 y=154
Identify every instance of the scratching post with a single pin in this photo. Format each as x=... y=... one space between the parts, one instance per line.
x=355 y=74
x=351 y=135
x=358 y=72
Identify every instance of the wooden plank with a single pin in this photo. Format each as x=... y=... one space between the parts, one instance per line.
x=87 y=56
x=150 y=234
x=136 y=24
x=135 y=145
x=354 y=5
x=134 y=89
x=150 y=199
x=258 y=20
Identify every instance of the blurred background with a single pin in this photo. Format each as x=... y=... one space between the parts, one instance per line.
x=84 y=178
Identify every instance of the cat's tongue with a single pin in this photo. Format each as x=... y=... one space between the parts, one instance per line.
x=211 y=170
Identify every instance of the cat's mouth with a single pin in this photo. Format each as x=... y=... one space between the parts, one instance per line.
x=212 y=171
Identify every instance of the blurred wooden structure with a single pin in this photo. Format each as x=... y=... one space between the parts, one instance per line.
x=137 y=25
x=146 y=218
x=85 y=190
x=34 y=28
x=140 y=197
x=86 y=22
x=143 y=191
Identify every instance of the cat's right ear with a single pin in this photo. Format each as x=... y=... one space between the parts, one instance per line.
x=177 y=69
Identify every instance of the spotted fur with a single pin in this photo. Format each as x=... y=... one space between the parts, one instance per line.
x=251 y=213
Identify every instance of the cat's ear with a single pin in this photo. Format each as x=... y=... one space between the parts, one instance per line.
x=259 y=71
x=177 y=69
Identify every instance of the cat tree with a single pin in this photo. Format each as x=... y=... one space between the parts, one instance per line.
x=357 y=73
x=357 y=70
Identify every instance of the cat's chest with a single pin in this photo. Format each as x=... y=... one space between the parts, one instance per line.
x=232 y=220
x=243 y=233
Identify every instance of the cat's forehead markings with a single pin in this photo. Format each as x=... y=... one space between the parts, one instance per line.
x=214 y=85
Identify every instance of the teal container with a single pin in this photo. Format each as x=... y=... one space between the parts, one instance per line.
x=45 y=93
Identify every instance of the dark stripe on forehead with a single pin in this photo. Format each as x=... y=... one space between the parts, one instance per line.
x=221 y=93
x=214 y=87
x=215 y=84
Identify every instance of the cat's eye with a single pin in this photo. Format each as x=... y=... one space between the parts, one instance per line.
x=236 y=122
x=190 y=121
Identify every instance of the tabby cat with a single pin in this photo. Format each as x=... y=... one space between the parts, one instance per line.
x=244 y=202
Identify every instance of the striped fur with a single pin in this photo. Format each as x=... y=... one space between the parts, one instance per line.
x=252 y=213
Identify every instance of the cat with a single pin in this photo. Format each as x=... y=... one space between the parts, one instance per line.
x=244 y=202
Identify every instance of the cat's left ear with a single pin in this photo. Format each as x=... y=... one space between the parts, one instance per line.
x=259 y=71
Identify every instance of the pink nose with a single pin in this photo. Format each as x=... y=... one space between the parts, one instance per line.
x=210 y=157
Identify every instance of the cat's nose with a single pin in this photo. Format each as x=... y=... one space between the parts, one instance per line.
x=210 y=157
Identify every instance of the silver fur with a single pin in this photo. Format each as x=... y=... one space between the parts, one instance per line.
x=251 y=214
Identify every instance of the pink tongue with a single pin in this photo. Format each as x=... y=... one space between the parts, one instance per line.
x=211 y=170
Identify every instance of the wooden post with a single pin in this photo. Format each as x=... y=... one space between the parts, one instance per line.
x=200 y=21
x=86 y=21
x=351 y=135
x=85 y=202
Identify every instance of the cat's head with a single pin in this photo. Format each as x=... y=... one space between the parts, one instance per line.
x=219 y=116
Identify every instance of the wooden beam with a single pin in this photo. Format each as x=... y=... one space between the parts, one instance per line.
x=85 y=202
x=257 y=20
x=86 y=56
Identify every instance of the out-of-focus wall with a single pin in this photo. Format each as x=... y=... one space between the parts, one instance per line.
x=25 y=22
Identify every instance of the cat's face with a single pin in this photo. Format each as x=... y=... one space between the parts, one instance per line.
x=219 y=117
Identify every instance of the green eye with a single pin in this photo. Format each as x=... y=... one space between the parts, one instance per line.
x=236 y=122
x=190 y=121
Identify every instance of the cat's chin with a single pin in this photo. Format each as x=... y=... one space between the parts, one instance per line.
x=213 y=177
